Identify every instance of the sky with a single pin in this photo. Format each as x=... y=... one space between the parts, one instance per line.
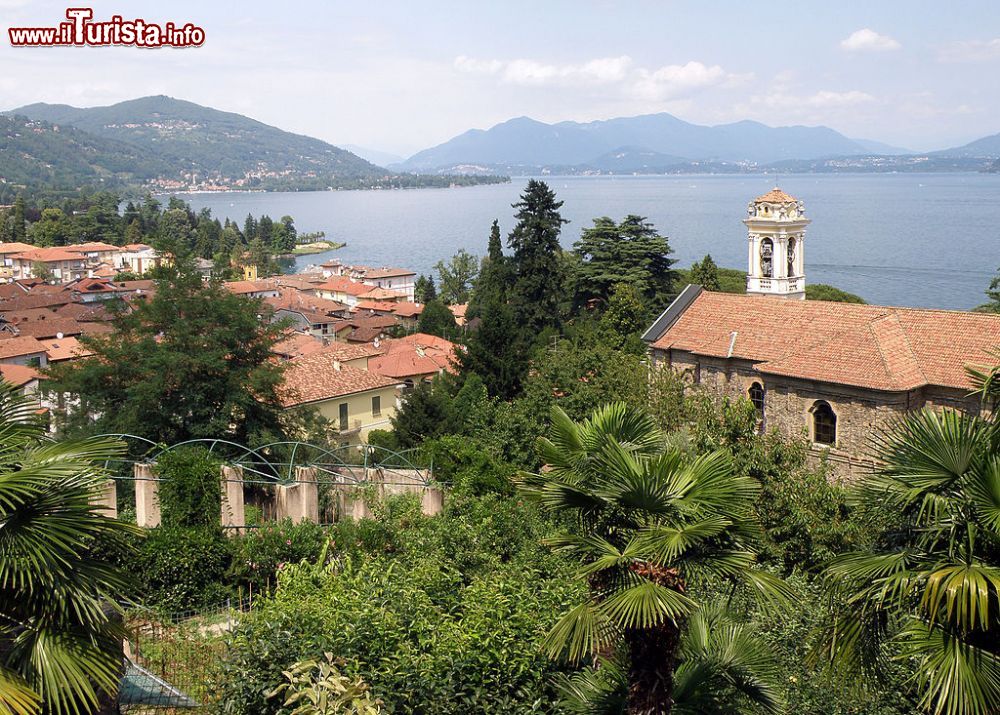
x=403 y=76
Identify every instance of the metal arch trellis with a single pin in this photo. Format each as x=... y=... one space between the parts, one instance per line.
x=265 y=462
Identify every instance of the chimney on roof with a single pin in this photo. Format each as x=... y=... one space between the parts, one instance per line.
x=59 y=336
x=336 y=365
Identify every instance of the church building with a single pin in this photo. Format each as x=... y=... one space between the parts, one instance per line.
x=831 y=372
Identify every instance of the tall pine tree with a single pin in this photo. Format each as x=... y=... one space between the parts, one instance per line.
x=495 y=350
x=538 y=275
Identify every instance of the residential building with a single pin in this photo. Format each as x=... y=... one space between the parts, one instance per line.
x=354 y=400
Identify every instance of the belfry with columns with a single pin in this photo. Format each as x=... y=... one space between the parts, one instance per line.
x=776 y=225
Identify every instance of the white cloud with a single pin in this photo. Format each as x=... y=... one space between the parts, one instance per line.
x=803 y=105
x=971 y=51
x=533 y=73
x=654 y=84
x=866 y=39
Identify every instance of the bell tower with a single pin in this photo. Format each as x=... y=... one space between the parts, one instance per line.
x=776 y=225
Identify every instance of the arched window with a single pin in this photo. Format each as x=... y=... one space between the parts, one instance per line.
x=791 y=257
x=766 y=253
x=824 y=423
x=756 y=395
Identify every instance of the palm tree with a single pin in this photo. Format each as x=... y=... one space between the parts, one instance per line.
x=647 y=524
x=722 y=668
x=929 y=592
x=60 y=638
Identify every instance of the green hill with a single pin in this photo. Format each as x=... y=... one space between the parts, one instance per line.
x=217 y=145
x=163 y=140
x=64 y=158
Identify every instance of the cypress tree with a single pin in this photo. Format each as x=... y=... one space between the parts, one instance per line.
x=538 y=276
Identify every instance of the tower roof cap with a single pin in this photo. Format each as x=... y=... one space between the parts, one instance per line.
x=776 y=196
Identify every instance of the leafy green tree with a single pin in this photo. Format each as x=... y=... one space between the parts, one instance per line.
x=193 y=360
x=426 y=412
x=624 y=319
x=52 y=229
x=495 y=350
x=723 y=668
x=495 y=275
x=190 y=490
x=538 y=278
x=648 y=525
x=821 y=291
x=705 y=273
x=437 y=319
x=929 y=589
x=19 y=232
x=630 y=252
x=424 y=290
x=457 y=276
x=60 y=632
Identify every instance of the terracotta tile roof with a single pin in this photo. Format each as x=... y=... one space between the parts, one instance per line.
x=12 y=290
x=19 y=375
x=378 y=306
x=294 y=300
x=414 y=356
x=459 y=310
x=92 y=247
x=31 y=300
x=406 y=309
x=21 y=316
x=388 y=272
x=60 y=349
x=51 y=328
x=322 y=376
x=365 y=335
x=247 y=287
x=776 y=196
x=343 y=284
x=381 y=294
x=85 y=313
x=870 y=346
x=20 y=345
x=48 y=255
x=297 y=344
x=15 y=247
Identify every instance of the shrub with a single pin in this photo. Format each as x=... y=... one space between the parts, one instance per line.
x=191 y=490
x=183 y=569
x=466 y=466
x=438 y=614
x=261 y=552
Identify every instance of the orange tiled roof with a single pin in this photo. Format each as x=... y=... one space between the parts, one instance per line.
x=776 y=196
x=247 y=287
x=19 y=375
x=381 y=294
x=15 y=247
x=48 y=255
x=20 y=345
x=379 y=306
x=322 y=376
x=406 y=309
x=371 y=273
x=343 y=284
x=870 y=346
x=297 y=344
x=60 y=349
x=51 y=328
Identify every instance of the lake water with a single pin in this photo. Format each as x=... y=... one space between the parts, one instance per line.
x=929 y=240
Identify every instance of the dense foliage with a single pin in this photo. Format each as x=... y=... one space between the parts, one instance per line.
x=193 y=360
x=60 y=618
x=464 y=600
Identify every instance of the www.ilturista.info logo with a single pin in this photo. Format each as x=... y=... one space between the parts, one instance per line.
x=82 y=30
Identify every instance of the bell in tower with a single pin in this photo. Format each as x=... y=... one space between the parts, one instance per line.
x=776 y=226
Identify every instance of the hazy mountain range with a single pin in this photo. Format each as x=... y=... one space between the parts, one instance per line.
x=174 y=144
x=164 y=143
x=656 y=143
